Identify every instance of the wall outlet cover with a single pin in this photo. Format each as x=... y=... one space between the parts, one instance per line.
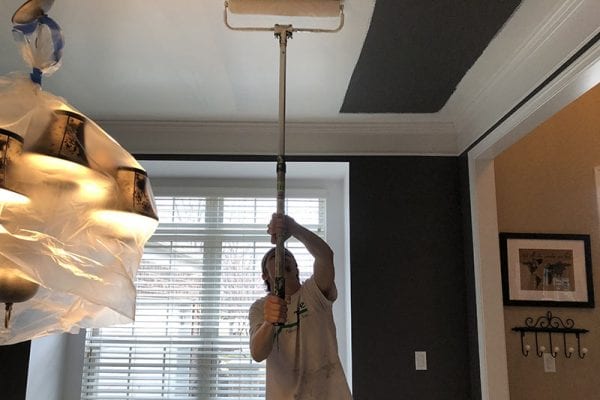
x=549 y=363
x=421 y=360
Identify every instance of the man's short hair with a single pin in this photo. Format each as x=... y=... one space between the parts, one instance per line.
x=263 y=263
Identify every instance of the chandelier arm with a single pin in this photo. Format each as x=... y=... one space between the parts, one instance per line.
x=7 y=314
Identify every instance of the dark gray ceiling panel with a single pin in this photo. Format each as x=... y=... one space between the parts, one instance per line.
x=417 y=51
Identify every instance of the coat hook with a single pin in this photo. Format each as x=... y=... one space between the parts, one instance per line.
x=553 y=349
x=524 y=348
x=539 y=349
x=581 y=352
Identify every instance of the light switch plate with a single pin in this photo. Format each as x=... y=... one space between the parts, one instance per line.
x=421 y=360
x=549 y=363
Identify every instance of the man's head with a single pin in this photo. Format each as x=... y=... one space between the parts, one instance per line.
x=268 y=267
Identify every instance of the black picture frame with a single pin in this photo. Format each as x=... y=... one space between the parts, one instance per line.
x=546 y=269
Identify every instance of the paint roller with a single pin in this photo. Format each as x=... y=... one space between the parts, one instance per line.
x=292 y=8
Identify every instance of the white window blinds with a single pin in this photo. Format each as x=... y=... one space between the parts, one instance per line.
x=199 y=275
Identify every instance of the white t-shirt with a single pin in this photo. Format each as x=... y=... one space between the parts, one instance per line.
x=304 y=363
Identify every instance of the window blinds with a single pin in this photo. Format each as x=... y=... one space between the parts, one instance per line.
x=198 y=277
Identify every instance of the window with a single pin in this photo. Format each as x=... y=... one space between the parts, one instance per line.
x=198 y=277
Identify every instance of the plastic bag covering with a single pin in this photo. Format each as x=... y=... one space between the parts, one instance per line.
x=84 y=265
x=41 y=44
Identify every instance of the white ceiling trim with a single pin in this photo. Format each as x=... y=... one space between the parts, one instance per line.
x=583 y=75
x=566 y=27
x=261 y=138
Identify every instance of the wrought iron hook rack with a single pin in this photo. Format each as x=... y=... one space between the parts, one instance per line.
x=550 y=324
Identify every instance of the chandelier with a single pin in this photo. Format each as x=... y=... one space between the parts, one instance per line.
x=75 y=207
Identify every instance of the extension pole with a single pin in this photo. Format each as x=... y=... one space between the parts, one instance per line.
x=283 y=33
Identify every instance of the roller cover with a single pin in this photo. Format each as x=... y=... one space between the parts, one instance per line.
x=294 y=8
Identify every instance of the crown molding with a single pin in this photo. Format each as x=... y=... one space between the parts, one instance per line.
x=261 y=138
x=582 y=76
x=483 y=97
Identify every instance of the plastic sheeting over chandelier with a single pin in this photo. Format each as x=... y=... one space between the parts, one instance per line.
x=76 y=209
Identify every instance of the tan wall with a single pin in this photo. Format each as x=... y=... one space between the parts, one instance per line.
x=545 y=183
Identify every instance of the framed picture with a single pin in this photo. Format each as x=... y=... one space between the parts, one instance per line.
x=549 y=270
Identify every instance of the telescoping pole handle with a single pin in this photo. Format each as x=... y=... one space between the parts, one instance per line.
x=283 y=33
x=279 y=289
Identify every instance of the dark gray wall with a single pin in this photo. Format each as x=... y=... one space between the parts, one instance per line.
x=408 y=279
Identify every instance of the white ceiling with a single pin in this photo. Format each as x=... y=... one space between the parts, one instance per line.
x=169 y=77
x=165 y=60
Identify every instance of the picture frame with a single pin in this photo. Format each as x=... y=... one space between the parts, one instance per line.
x=546 y=270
